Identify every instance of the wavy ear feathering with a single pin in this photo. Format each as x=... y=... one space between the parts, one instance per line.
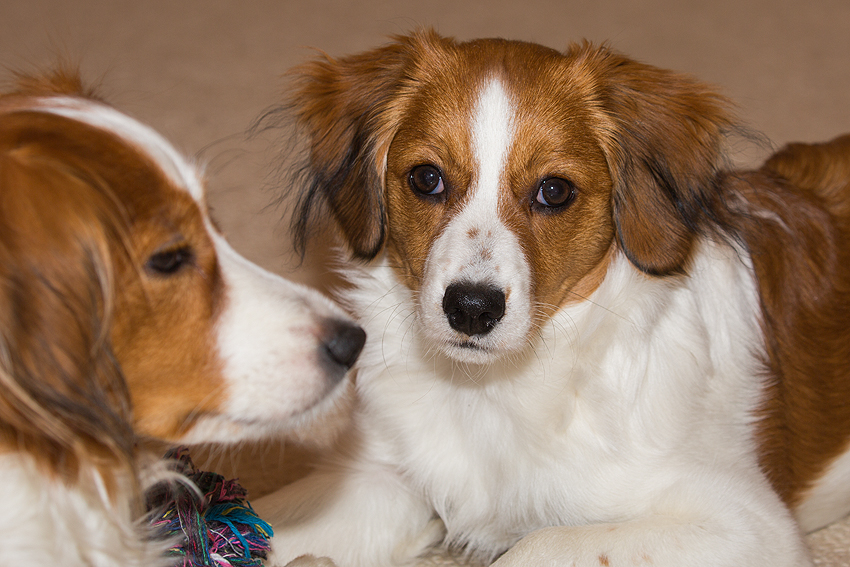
x=64 y=399
x=664 y=137
x=348 y=109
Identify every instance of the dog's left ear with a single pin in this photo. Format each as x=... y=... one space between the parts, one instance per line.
x=63 y=397
x=664 y=141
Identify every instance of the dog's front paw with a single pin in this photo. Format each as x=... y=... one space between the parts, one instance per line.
x=310 y=561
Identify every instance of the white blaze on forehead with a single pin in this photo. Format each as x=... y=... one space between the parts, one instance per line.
x=148 y=140
x=482 y=258
x=492 y=135
x=476 y=246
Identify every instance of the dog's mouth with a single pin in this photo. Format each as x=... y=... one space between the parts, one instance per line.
x=468 y=345
x=225 y=426
x=470 y=352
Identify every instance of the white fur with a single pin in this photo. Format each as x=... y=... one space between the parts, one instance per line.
x=601 y=427
x=619 y=433
x=45 y=524
x=267 y=337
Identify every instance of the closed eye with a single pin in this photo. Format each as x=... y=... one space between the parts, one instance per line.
x=169 y=261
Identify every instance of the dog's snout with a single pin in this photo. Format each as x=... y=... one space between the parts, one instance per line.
x=473 y=309
x=344 y=342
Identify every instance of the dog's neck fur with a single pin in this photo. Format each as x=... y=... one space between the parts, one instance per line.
x=570 y=371
x=45 y=521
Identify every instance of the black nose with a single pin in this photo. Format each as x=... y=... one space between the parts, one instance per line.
x=473 y=309
x=344 y=343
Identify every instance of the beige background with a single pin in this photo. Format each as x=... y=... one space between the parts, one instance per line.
x=202 y=71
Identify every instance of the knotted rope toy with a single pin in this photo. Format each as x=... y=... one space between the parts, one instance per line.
x=212 y=527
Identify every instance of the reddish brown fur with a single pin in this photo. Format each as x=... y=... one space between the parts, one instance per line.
x=98 y=351
x=64 y=80
x=440 y=115
x=802 y=262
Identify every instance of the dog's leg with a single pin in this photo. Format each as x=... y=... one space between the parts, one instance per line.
x=357 y=514
x=746 y=527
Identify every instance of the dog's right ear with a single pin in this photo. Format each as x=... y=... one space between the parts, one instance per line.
x=349 y=108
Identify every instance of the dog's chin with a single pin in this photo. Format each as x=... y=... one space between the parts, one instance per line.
x=460 y=349
x=470 y=353
x=319 y=424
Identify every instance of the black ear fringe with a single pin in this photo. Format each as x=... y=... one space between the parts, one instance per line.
x=667 y=146
x=290 y=179
x=308 y=193
x=337 y=111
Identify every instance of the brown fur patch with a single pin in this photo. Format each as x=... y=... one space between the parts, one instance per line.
x=98 y=348
x=796 y=224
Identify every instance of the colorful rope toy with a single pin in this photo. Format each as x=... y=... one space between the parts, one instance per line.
x=219 y=529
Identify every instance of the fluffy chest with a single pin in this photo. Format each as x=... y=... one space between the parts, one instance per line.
x=587 y=424
x=500 y=456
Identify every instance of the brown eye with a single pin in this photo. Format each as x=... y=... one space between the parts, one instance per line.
x=426 y=180
x=169 y=261
x=554 y=193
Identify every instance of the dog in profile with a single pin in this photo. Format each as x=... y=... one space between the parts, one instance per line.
x=125 y=316
x=590 y=343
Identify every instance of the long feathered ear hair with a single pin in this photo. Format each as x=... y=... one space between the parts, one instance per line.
x=63 y=398
x=664 y=135
x=348 y=110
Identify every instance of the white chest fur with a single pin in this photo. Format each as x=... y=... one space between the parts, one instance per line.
x=45 y=523
x=648 y=381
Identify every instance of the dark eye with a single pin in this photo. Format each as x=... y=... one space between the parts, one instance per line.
x=169 y=261
x=555 y=192
x=426 y=179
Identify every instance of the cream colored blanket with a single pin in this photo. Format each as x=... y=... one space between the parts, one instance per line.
x=829 y=548
x=831 y=545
